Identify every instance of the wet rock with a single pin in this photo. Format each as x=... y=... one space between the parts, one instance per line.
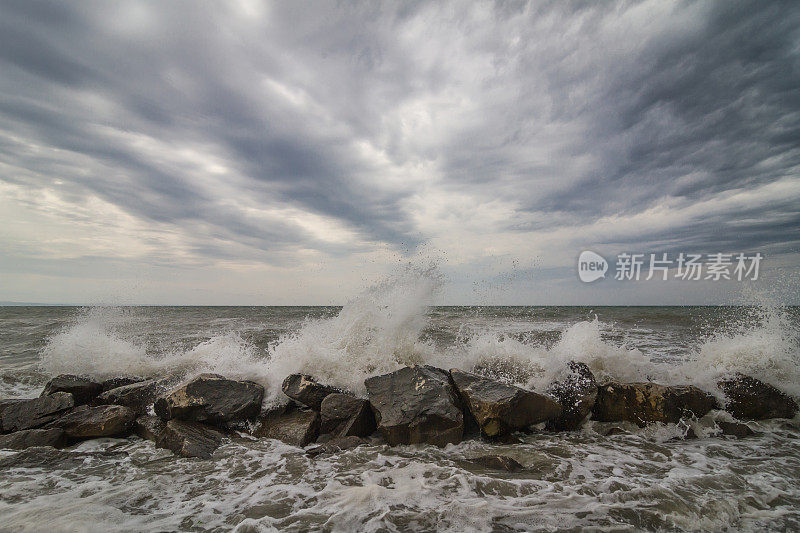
x=642 y=403
x=735 y=429
x=304 y=389
x=342 y=415
x=36 y=412
x=500 y=408
x=297 y=427
x=6 y=402
x=114 y=383
x=86 y=422
x=186 y=439
x=83 y=390
x=138 y=396
x=32 y=437
x=576 y=394
x=610 y=432
x=336 y=445
x=497 y=462
x=752 y=399
x=416 y=405
x=212 y=399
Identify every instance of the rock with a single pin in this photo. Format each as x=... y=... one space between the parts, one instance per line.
x=497 y=462
x=187 y=439
x=642 y=403
x=5 y=403
x=500 y=408
x=615 y=431
x=114 y=383
x=342 y=415
x=86 y=422
x=336 y=445
x=36 y=412
x=50 y=459
x=304 y=389
x=83 y=390
x=416 y=405
x=576 y=394
x=735 y=429
x=752 y=399
x=138 y=396
x=213 y=399
x=32 y=437
x=297 y=427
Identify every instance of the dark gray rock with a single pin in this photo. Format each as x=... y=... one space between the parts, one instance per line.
x=735 y=429
x=212 y=399
x=342 y=415
x=576 y=394
x=304 y=389
x=83 y=390
x=113 y=383
x=497 y=462
x=298 y=427
x=416 y=405
x=500 y=408
x=643 y=403
x=186 y=439
x=36 y=412
x=336 y=445
x=138 y=396
x=86 y=422
x=32 y=437
x=752 y=399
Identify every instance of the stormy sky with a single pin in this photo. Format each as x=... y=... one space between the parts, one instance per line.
x=293 y=152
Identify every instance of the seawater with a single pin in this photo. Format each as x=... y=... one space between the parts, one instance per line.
x=643 y=479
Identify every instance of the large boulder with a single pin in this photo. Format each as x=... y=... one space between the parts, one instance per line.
x=752 y=399
x=642 y=403
x=114 y=383
x=138 y=396
x=186 y=439
x=304 y=389
x=298 y=427
x=86 y=422
x=499 y=408
x=83 y=390
x=576 y=394
x=28 y=438
x=416 y=405
x=342 y=415
x=212 y=399
x=36 y=412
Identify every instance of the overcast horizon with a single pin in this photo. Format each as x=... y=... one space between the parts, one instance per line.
x=294 y=153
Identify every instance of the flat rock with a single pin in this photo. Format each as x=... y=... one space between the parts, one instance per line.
x=83 y=390
x=752 y=399
x=304 y=389
x=212 y=399
x=576 y=394
x=336 y=445
x=186 y=439
x=497 y=462
x=86 y=422
x=643 y=403
x=32 y=437
x=138 y=396
x=297 y=427
x=36 y=412
x=416 y=405
x=500 y=408
x=342 y=415
x=735 y=429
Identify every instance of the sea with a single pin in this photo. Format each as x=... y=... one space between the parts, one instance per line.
x=640 y=479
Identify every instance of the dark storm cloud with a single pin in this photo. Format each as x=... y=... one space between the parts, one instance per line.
x=574 y=111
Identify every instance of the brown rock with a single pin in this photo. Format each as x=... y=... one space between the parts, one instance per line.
x=752 y=399
x=32 y=437
x=36 y=412
x=86 y=422
x=576 y=394
x=342 y=415
x=291 y=425
x=83 y=390
x=138 y=396
x=643 y=403
x=735 y=429
x=186 y=439
x=304 y=389
x=212 y=399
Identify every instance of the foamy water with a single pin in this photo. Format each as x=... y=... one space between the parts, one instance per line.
x=642 y=479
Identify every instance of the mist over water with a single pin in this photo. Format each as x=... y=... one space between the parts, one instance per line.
x=572 y=480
